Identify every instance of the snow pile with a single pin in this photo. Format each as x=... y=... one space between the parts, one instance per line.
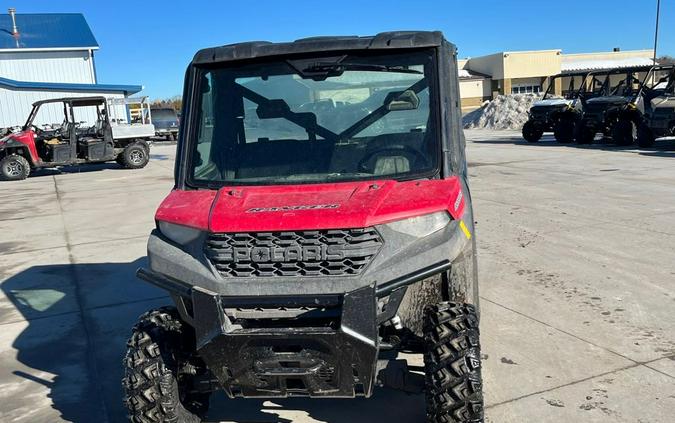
x=463 y=73
x=504 y=112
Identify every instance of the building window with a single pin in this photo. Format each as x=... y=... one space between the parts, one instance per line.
x=525 y=89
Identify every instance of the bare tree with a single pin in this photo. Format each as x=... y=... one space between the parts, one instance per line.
x=174 y=102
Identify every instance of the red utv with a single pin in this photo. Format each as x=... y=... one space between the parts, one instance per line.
x=320 y=224
x=74 y=142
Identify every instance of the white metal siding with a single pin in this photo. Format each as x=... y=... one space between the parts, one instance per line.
x=48 y=66
x=15 y=105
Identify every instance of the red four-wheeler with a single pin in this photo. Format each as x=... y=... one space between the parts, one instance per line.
x=74 y=142
x=320 y=224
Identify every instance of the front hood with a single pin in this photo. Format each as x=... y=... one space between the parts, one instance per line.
x=663 y=102
x=13 y=136
x=614 y=99
x=311 y=207
x=552 y=102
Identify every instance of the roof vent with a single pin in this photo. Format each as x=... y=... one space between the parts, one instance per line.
x=12 y=13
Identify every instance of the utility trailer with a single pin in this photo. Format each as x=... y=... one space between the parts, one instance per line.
x=108 y=135
x=320 y=224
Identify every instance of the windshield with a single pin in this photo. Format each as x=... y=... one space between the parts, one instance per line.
x=566 y=87
x=316 y=120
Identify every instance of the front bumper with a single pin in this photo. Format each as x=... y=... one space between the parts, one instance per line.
x=166 y=131
x=299 y=336
x=323 y=347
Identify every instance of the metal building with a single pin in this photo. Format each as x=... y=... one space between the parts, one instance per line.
x=520 y=72
x=46 y=56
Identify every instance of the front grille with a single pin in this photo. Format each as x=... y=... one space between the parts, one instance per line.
x=336 y=252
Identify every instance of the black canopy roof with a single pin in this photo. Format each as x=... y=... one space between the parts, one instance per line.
x=259 y=49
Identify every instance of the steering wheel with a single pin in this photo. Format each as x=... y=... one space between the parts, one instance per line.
x=413 y=156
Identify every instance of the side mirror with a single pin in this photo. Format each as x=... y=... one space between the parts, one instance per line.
x=402 y=100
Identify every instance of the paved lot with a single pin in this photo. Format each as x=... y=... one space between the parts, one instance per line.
x=577 y=261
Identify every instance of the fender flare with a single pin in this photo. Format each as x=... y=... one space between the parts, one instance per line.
x=12 y=146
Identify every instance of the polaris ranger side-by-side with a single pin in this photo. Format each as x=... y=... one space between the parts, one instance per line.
x=320 y=223
x=558 y=114
x=601 y=113
x=651 y=113
x=73 y=142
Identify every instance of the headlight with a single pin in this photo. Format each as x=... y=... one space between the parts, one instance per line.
x=421 y=226
x=178 y=233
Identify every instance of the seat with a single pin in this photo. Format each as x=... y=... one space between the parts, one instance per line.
x=389 y=165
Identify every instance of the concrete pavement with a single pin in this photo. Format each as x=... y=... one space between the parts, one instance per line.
x=577 y=286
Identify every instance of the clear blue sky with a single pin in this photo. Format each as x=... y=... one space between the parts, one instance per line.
x=151 y=42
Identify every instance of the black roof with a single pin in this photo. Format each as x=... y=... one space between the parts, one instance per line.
x=381 y=41
x=93 y=100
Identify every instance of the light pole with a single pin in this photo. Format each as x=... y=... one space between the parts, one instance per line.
x=656 y=32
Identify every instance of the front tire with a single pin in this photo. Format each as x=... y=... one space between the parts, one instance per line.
x=645 y=136
x=583 y=133
x=156 y=390
x=14 y=168
x=532 y=132
x=563 y=131
x=135 y=156
x=624 y=132
x=454 y=389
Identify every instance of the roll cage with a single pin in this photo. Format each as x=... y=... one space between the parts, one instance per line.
x=651 y=91
x=68 y=104
x=571 y=93
x=595 y=83
x=600 y=82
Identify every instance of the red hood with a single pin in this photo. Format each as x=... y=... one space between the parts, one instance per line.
x=309 y=207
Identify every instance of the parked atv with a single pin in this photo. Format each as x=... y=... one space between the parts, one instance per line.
x=557 y=114
x=71 y=143
x=601 y=112
x=320 y=223
x=651 y=113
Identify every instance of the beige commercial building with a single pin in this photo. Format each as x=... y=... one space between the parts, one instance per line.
x=512 y=72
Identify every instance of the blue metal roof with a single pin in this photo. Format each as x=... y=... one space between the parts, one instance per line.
x=46 y=30
x=57 y=86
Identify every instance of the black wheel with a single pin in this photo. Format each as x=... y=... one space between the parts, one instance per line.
x=584 y=133
x=532 y=132
x=563 y=130
x=157 y=387
x=14 y=168
x=454 y=388
x=135 y=156
x=645 y=136
x=624 y=132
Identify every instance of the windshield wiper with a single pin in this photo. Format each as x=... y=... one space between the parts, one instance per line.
x=335 y=69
